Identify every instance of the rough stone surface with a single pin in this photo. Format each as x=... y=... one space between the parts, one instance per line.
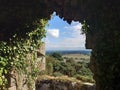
x=62 y=85
x=103 y=17
x=18 y=81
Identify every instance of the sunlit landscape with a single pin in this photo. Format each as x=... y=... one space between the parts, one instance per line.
x=59 y=44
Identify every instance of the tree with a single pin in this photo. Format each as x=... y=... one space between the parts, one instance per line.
x=57 y=56
x=49 y=68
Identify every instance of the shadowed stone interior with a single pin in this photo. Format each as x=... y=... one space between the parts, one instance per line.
x=103 y=35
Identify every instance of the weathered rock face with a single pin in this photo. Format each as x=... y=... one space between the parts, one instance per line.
x=61 y=85
x=103 y=17
x=19 y=81
x=22 y=13
x=41 y=60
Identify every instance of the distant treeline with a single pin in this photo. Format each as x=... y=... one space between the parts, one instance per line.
x=56 y=65
x=86 y=52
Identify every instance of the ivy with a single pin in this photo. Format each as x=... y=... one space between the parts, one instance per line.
x=14 y=53
x=85 y=27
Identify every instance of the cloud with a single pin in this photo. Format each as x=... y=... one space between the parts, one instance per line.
x=66 y=44
x=76 y=39
x=74 y=26
x=53 y=33
x=72 y=39
x=74 y=29
x=69 y=43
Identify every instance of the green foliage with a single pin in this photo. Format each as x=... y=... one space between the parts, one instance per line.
x=85 y=27
x=70 y=68
x=49 y=68
x=14 y=53
x=84 y=78
x=57 y=56
x=57 y=74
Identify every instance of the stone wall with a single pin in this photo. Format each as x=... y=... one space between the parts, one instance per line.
x=19 y=81
x=63 y=85
x=41 y=57
x=101 y=15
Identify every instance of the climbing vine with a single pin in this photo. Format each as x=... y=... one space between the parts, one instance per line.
x=85 y=27
x=14 y=53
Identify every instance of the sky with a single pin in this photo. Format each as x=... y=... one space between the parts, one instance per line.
x=63 y=36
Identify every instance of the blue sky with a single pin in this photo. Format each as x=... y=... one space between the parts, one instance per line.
x=63 y=36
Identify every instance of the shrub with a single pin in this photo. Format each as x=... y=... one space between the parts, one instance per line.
x=84 y=78
x=57 y=56
x=57 y=74
x=44 y=72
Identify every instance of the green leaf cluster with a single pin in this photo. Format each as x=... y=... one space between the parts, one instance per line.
x=14 y=54
x=69 y=67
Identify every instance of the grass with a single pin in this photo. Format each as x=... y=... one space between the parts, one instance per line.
x=62 y=82
x=78 y=57
x=80 y=79
x=60 y=78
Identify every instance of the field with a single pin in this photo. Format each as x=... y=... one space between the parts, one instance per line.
x=77 y=57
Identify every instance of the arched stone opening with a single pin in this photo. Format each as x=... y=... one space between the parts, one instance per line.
x=103 y=35
x=68 y=41
x=63 y=36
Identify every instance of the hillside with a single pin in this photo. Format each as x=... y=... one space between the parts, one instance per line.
x=77 y=57
x=62 y=83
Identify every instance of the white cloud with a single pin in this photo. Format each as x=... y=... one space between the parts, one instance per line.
x=75 y=43
x=74 y=29
x=66 y=44
x=73 y=39
x=74 y=26
x=77 y=39
x=53 y=33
